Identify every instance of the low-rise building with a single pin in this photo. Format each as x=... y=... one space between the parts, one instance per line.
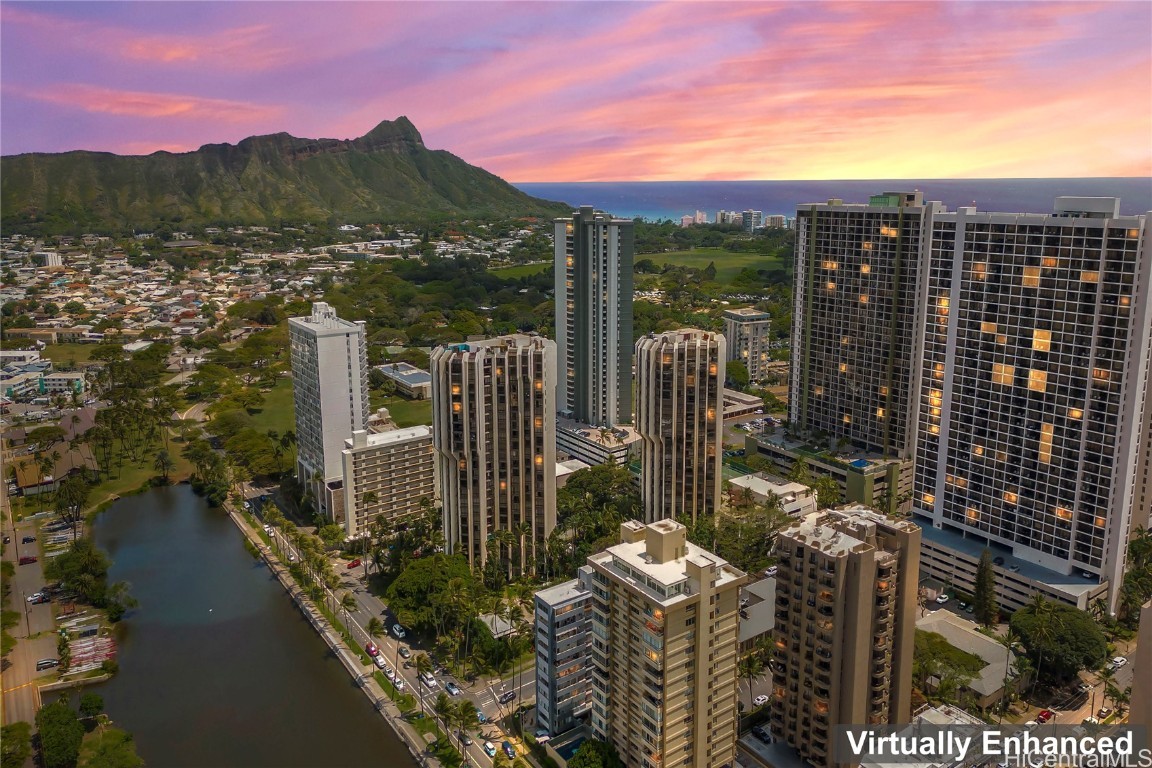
x=596 y=445
x=412 y=382
x=987 y=686
x=796 y=499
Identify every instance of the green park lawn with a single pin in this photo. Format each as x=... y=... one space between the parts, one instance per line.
x=406 y=413
x=520 y=270
x=728 y=264
x=63 y=355
x=278 y=411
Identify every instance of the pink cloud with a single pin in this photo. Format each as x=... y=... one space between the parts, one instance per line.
x=91 y=98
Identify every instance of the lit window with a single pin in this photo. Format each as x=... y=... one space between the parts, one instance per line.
x=929 y=498
x=1041 y=340
x=847 y=418
x=1031 y=277
x=865 y=268
x=845 y=340
x=978 y=450
x=867 y=246
x=1101 y=374
x=539 y=460
x=818 y=391
x=1050 y=261
x=830 y=285
x=1003 y=374
x=879 y=413
x=456 y=407
x=1089 y=276
x=538 y=422
x=1133 y=233
x=455 y=389
x=863 y=298
x=936 y=413
x=888 y=231
x=935 y=397
x=1099 y=522
x=1063 y=513
x=883 y=391
x=500 y=372
x=979 y=270
x=939 y=373
x=1045 y=452
x=503 y=485
x=1037 y=380
x=1075 y=413
x=934 y=429
x=539 y=385
x=712 y=369
x=711 y=414
x=972 y=514
x=943 y=302
x=1125 y=301
x=830 y=265
x=1010 y=497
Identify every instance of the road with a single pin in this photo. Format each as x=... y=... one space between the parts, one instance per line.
x=35 y=637
x=483 y=693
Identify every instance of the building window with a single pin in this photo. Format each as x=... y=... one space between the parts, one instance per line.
x=1089 y=276
x=1031 y=277
x=1045 y=453
x=1037 y=380
x=1003 y=374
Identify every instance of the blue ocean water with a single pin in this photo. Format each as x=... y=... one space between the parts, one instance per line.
x=657 y=200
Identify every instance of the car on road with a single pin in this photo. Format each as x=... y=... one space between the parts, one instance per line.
x=1045 y=715
x=762 y=733
x=291 y=558
x=399 y=632
x=760 y=700
x=399 y=683
x=27 y=560
x=942 y=599
x=771 y=571
x=267 y=528
x=40 y=598
x=452 y=688
x=489 y=749
x=353 y=564
x=34 y=596
x=427 y=679
x=509 y=750
x=506 y=697
x=1031 y=724
x=1083 y=687
x=481 y=717
x=404 y=652
x=372 y=649
x=379 y=661
x=28 y=540
x=1104 y=712
x=465 y=739
x=1118 y=662
x=1089 y=721
x=44 y=664
x=7 y=539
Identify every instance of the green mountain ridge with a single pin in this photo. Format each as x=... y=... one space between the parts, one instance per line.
x=387 y=175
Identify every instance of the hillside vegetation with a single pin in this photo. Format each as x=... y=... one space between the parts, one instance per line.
x=385 y=175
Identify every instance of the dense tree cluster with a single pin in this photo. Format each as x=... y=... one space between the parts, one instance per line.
x=1060 y=640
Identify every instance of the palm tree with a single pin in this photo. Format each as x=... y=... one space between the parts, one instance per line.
x=444 y=711
x=163 y=464
x=348 y=604
x=467 y=717
x=1008 y=640
x=751 y=667
x=375 y=627
x=423 y=666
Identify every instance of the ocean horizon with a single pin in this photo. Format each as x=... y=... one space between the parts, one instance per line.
x=659 y=200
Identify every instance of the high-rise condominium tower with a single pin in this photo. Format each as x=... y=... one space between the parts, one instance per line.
x=494 y=429
x=1036 y=395
x=594 y=317
x=748 y=333
x=680 y=418
x=330 y=392
x=665 y=617
x=846 y=599
x=390 y=475
x=855 y=322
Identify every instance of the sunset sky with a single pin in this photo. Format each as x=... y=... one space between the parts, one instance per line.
x=603 y=91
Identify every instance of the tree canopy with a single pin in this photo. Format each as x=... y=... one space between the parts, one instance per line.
x=1061 y=640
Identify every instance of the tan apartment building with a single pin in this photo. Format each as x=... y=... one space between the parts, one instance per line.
x=494 y=431
x=846 y=598
x=664 y=629
x=748 y=332
x=680 y=418
x=390 y=474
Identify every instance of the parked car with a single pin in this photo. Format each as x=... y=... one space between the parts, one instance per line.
x=509 y=750
x=27 y=559
x=452 y=688
x=41 y=598
x=481 y=717
x=7 y=539
x=1104 y=712
x=1118 y=662
x=465 y=739
x=33 y=597
x=353 y=564
x=28 y=540
x=44 y=664
x=1083 y=687
x=1044 y=716
x=997 y=560
x=404 y=652
x=507 y=696
x=399 y=632
x=427 y=679
x=942 y=599
x=379 y=661
x=771 y=571
x=761 y=733
x=489 y=749
x=372 y=649
x=399 y=683
x=760 y=700
x=1089 y=721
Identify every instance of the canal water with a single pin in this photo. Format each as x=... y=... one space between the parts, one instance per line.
x=217 y=667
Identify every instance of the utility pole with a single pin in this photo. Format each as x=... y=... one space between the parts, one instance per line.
x=27 y=621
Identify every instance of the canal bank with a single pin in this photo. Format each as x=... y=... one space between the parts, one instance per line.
x=216 y=667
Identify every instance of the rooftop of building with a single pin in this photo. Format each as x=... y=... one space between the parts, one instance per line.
x=1074 y=585
x=763 y=484
x=405 y=372
x=855 y=459
x=323 y=318
x=747 y=313
x=962 y=634
x=607 y=437
x=565 y=468
x=388 y=437
x=759 y=615
x=562 y=593
x=636 y=561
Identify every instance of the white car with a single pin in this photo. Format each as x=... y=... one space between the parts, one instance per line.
x=1118 y=662
x=379 y=662
x=942 y=599
x=760 y=700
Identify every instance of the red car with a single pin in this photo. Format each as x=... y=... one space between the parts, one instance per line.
x=372 y=649
x=27 y=559
x=354 y=563
x=1044 y=716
